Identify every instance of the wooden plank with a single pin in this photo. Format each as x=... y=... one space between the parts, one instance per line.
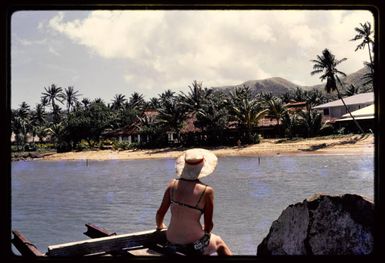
x=108 y=244
x=25 y=247
x=161 y=249
x=144 y=252
x=94 y=231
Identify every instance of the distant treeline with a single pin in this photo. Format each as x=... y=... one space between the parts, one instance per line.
x=81 y=122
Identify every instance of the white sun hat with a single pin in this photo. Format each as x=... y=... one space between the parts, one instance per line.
x=195 y=163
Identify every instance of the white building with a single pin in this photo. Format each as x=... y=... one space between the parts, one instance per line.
x=365 y=113
x=364 y=116
x=334 y=110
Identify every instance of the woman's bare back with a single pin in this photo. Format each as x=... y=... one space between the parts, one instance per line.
x=187 y=204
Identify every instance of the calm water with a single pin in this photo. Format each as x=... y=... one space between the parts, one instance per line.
x=52 y=200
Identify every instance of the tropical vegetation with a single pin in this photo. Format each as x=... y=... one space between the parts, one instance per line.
x=202 y=116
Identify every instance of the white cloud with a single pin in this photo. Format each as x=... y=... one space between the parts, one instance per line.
x=288 y=18
x=112 y=34
x=27 y=42
x=53 y=51
x=170 y=49
x=303 y=36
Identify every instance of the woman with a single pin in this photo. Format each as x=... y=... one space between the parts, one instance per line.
x=189 y=198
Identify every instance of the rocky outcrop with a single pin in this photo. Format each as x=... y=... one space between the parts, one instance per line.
x=322 y=225
x=18 y=156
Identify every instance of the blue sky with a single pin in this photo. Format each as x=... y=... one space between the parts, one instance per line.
x=104 y=53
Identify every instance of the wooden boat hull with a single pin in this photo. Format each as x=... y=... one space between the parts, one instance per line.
x=102 y=243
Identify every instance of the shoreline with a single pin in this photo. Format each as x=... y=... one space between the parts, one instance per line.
x=337 y=145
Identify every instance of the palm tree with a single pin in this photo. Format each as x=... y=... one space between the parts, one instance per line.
x=289 y=122
x=41 y=132
x=276 y=109
x=136 y=101
x=98 y=100
x=315 y=97
x=213 y=118
x=21 y=124
x=77 y=106
x=246 y=110
x=364 y=33
x=265 y=97
x=166 y=95
x=118 y=101
x=300 y=95
x=171 y=115
x=148 y=127
x=39 y=115
x=19 y=127
x=86 y=102
x=147 y=121
x=52 y=94
x=286 y=97
x=369 y=76
x=311 y=120
x=38 y=121
x=70 y=96
x=196 y=98
x=24 y=110
x=44 y=101
x=56 y=131
x=154 y=103
x=351 y=90
x=326 y=64
x=56 y=113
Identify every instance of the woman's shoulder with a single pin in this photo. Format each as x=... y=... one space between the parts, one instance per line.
x=208 y=188
x=170 y=184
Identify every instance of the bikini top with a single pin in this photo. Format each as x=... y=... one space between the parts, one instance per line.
x=173 y=201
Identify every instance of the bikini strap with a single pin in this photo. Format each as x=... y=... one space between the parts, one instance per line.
x=172 y=190
x=203 y=192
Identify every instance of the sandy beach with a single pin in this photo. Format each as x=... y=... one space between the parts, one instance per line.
x=337 y=145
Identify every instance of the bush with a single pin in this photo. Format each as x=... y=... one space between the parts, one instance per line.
x=106 y=144
x=29 y=147
x=134 y=145
x=14 y=148
x=123 y=145
x=63 y=147
x=256 y=138
x=327 y=130
x=82 y=145
x=45 y=146
x=341 y=131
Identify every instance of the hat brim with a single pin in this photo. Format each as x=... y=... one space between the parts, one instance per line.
x=196 y=171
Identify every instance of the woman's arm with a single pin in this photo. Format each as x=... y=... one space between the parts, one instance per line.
x=208 y=210
x=163 y=209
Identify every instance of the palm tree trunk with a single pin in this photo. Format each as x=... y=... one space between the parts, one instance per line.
x=346 y=107
x=278 y=128
x=371 y=59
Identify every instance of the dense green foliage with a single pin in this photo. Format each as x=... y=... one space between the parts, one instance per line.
x=217 y=118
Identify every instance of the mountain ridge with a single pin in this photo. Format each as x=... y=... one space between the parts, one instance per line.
x=278 y=85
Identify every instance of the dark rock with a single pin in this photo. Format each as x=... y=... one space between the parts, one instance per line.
x=322 y=225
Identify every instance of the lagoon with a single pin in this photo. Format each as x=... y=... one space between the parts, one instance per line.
x=52 y=200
